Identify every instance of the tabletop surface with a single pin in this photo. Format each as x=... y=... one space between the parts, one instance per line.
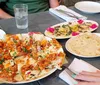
x=41 y=21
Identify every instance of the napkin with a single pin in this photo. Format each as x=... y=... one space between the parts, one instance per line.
x=65 y=15
x=79 y=65
x=76 y=67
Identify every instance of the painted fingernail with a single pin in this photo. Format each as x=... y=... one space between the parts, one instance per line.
x=75 y=83
x=73 y=75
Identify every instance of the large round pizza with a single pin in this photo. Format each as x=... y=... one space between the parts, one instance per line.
x=28 y=57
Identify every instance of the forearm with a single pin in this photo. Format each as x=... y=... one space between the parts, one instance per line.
x=54 y=3
x=4 y=15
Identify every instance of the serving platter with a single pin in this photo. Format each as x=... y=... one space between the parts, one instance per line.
x=30 y=57
x=86 y=45
x=70 y=29
x=88 y=6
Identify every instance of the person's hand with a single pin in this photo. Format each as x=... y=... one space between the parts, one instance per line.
x=88 y=83
x=88 y=78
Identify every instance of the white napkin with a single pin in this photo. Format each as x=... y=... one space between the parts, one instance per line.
x=76 y=67
x=64 y=15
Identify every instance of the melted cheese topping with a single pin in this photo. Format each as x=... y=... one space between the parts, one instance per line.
x=27 y=57
x=8 y=63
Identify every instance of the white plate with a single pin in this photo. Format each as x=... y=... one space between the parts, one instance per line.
x=88 y=6
x=52 y=71
x=67 y=43
x=51 y=35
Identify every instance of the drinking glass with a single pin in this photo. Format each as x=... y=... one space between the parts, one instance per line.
x=21 y=15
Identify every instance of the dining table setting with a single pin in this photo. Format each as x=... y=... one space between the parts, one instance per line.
x=66 y=40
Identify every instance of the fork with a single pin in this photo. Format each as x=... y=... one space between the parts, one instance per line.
x=68 y=13
x=69 y=71
x=70 y=74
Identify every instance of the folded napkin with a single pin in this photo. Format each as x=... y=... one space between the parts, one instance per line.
x=79 y=65
x=76 y=67
x=64 y=13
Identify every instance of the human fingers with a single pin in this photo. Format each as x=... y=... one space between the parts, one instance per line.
x=88 y=83
x=98 y=71
x=90 y=73
x=87 y=77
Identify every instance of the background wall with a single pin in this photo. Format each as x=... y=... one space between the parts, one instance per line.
x=72 y=2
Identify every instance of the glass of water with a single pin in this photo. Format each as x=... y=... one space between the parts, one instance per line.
x=21 y=15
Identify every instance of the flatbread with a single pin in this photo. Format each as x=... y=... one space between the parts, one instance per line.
x=86 y=44
x=26 y=57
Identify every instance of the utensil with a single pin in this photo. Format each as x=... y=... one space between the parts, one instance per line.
x=66 y=75
x=69 y=71
x=68 y=13
x=70 y=74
